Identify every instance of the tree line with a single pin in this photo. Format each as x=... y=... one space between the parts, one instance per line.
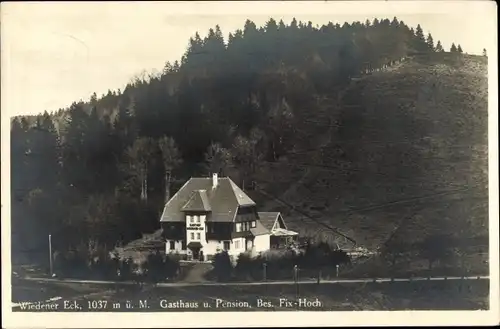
x=103 y=168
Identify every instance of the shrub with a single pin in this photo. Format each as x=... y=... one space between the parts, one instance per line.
x=154 y=267
x=222 y=266
x=125 y=267
x=249 y=268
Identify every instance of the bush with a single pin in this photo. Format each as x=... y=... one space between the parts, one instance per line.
x=71 y=264
x=157 y=267
x=103 y=266
x=171 y=266
x=154 y=267
x=249 y=268
x=125 y=267
x=222 y=266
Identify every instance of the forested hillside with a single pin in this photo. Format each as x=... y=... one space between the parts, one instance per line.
x=309 y=120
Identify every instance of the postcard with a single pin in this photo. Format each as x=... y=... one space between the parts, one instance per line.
x=239 y=164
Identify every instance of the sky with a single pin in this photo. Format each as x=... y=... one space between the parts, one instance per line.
x=55 y=53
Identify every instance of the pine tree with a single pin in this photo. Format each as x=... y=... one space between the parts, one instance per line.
x=395 y=22
x=439 y=47
x=459 y=49
x=453 y=48
x=430 y=42
x=420 y=43
x=485 y=53
x=75 y=149
x=281 y=25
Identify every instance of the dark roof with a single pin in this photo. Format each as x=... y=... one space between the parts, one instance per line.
x=197 y=202
x=194 y=244
x=223 y=200
x=260 y=229
x=268 y=219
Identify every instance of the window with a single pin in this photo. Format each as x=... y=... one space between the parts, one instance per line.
x=238 y=227
x=202 y=217
x=198 y=237
x=172 y=245
x=184 y=247
x=237 y=244
x=197 y=218
x=227 y=245
x=188 y=218
x=254 y=224
x=192 y=235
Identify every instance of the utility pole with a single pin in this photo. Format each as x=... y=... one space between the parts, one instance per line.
x=296 y=270
x=50 y=255
x=265 y=271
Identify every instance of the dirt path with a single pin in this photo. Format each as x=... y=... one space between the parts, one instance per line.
x=197 y=272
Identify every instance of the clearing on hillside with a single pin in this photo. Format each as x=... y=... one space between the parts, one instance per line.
x=409 y=156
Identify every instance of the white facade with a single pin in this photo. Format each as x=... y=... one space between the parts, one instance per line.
x=196 y=230
x=262 y=242
x=212 y=247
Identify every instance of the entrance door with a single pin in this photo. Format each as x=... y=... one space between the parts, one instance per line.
x=196 y=253
x=249 y=244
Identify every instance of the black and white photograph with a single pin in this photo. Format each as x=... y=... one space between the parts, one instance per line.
x=198 y=163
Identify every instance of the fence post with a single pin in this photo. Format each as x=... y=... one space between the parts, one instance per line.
x=319 y=276
x=265 y=270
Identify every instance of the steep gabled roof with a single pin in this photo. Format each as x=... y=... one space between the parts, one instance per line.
x=241 y=197
x=197 y=202
x=259 y=229
x=268 y=219
x=223 y=200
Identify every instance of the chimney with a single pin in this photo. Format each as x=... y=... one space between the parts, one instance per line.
x=215 y=180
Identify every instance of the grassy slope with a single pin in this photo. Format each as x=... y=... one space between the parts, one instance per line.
x=415 y=130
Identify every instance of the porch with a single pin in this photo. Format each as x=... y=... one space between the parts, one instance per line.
x=282 y=238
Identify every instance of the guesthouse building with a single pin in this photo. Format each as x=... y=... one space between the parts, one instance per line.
x=211 y=214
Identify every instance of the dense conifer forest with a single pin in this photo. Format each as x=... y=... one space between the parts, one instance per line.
x=101 y=170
